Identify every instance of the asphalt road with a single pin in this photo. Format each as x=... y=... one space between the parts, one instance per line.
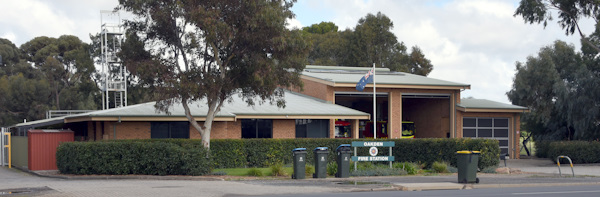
x=579 y=191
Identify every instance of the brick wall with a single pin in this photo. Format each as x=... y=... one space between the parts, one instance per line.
x=220 y=130
x=284 y=129
x=317 y=90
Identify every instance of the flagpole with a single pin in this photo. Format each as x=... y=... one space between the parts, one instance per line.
x=374 y=105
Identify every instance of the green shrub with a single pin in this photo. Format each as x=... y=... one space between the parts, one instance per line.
x=219 y=173
x=332 y=168
x=277 y=170
x=578 y=151
x=542 y=148
x=378 y=170
x=490 y=169
x=254 y=172
x=309 y=170
x=132 y=157
x=439 y=167
x=452 y=169
x=410 y=168
x=365 y=166
x=231 y=153
x=122 y=155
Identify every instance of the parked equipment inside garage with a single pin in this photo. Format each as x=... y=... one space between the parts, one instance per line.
x=408 y=129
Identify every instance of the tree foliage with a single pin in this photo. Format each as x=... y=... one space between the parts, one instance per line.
x=206 y=51
x=559 y=86
x=371 y=41
x=66 y=64
x=570 y=13
x=44 y=74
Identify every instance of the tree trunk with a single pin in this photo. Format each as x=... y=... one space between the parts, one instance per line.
x=206 y=130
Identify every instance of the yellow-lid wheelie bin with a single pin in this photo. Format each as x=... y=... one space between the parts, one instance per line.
x=467 y=166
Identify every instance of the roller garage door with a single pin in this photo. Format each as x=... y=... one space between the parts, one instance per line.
x=487 y=128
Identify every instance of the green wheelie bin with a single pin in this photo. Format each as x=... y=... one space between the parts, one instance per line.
x=344 y=153
x=299 y=156
x=467 y=166
x=320 y=162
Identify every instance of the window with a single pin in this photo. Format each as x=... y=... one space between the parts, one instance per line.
x=312 y=128
x=257 y=128
x=170 y=130
x=490 y=128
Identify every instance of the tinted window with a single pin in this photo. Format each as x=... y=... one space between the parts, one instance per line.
x=169 y=130
x=469 y=133
x=159 y=130
x=503 y=142
x=257 y=128
x=180 y=129
x=501 y=122
x=500 y=132
x=469 y=122
x=484 y=122
x=312 y=128
x=485 y=133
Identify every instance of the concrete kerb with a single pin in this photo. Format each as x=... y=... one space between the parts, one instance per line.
x=53 y=174
x=482 y=186
x=421 y=186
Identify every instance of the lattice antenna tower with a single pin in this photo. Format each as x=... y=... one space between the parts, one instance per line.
x=114 y=87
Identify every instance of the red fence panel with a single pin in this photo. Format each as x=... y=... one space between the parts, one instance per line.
x=42 y=148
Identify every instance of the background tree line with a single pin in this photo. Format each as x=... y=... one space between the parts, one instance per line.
x=371 y=41
x=559 y=84
x=59 y=73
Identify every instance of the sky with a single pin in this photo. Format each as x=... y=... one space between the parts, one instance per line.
x=475 y=42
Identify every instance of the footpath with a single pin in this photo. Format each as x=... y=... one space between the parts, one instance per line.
x=520 y=173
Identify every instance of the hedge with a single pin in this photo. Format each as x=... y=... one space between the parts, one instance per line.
x=542 y=148
x=187 y=157
x=578 y=151
x=230 y=153
x=132 y=157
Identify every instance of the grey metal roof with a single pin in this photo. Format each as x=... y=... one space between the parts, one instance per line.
x=487 y=104
x=340 y=74
x=296 y=104
x=40 y=123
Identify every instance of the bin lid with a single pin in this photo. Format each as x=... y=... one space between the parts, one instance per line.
x=299 y=149
x=321 y=148
x=343 y=147
x=468 y=152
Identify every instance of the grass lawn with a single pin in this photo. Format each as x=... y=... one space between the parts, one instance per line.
x=244 y=171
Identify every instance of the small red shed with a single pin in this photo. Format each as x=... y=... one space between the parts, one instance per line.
x=42 y=146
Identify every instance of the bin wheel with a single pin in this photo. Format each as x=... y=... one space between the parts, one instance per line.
x=476 y=180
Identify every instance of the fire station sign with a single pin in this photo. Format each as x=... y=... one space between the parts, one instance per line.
x=373 y=151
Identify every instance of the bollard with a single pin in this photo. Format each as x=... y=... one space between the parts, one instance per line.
x=558 y=163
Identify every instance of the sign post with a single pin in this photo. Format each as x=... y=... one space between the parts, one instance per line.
x=372 y=151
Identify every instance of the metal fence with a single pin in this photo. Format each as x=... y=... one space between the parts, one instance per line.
x=5 y=159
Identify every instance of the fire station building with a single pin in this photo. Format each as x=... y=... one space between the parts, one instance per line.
x=328 y=106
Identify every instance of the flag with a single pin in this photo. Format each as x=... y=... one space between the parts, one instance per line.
x=368 y=78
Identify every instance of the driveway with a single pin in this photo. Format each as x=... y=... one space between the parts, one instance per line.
x=536 y=165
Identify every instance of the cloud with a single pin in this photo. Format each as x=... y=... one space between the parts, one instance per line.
x=32 y=18
x=293 y=23
x=473 y=42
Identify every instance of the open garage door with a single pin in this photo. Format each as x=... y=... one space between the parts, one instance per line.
x=489 y=128
x=363 y=101
x=430 y=114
